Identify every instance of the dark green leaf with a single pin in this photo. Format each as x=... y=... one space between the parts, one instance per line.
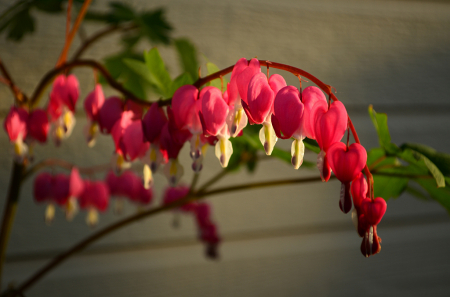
x=19 y=25
x=158 y=72
x=187 y=55
x=51 y=6
x=121 y=12
x=418 y=193
x=379 y=120
x=155 y=26
x=441 y=195
x=441 y=160
x=181 y=80
x=212 y=68
x=420 y=161
x=389 y=186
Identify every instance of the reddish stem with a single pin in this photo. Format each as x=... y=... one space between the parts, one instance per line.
x=296 y=71
x=63 y=57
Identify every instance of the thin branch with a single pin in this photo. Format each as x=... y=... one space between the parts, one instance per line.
x=66 y=165
x=72 y=33
x=213 y=180
x=151 y=212
x=194 y=182
x=7 y=79
x=84 y=63
x=94 y=38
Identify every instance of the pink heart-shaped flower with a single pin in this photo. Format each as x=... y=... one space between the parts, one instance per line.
x=359 y=190
x=214 y=110
x=37 y=125
x=346 y=163
x=288 y=112
x=329 y=125
x=310 y=97
x=373 y=210
x=153 y=122
x=184 y=107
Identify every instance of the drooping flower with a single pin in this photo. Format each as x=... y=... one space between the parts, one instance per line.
x=109 y=114
x=260 y=96
x=214 y=113
x=288 y=121
x=329 y=127
x=92 y=105
x=311 y=96
x=358 y=190
x=372 y=212
x=15 y=125
x=63 y=98
x=76 y=187
x=242 y=73
x=94 y=198
x=38 y=125
x=346 y=163
x=153 y=123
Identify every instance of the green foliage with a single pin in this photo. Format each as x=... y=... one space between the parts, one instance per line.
x=212 y=68
x=395 y=168
x=187 y=55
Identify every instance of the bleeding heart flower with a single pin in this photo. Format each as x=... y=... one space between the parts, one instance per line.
x=109 y=114
x=95 y=197
x=261 y=95
x=346 y=164
x=310 y=97
x=185 y=107
x=329 y=127
x=92 y=105
x=288 y=121
x=38 y=125
x=173 y=194
x=359 y=190
x=65 y=91
x=15 y=125
x=153 y=122
x=241 y=75
x=373 y=210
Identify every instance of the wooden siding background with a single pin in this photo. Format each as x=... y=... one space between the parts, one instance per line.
x=284 y=241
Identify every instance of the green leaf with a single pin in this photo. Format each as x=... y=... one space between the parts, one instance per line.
x=417 y=159
x=159 y=76
x=155 y=26
x=418 y=193
x=121 y=12
x=379 y=120
x=441 y=160
x=126 y=74
x=187 y=55
x=181 y=80
x=388 y=186
x=441 y=195
x=212 y=68
x=19 y=25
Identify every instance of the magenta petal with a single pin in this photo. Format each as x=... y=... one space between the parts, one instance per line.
x=73 y=92
x=276 y=83
x=359 y=190
x=110 y=113
x=311 y=96
x=118 y=130
x=93 y=103
x=329 y=125
x=276 y=128
x=240 y=65
x=260 y=98
x=183 y=101
x=42 y=187
x=243 y=79
x=346 y=163
x=15 y=123
x=76 y=184
x=373 y=210
x=214 y=109
x=168 y=143
x=95 y=195
x=60 y=189
x=153 y=122
x=37 y=125
x=133 y=140
x=288 y=110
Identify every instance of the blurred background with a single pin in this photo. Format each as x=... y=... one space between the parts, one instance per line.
x=283 y=241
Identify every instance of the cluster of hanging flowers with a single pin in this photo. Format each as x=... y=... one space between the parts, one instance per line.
x=201 y=117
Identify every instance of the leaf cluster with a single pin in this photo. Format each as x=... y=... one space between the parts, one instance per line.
x=415 y=168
